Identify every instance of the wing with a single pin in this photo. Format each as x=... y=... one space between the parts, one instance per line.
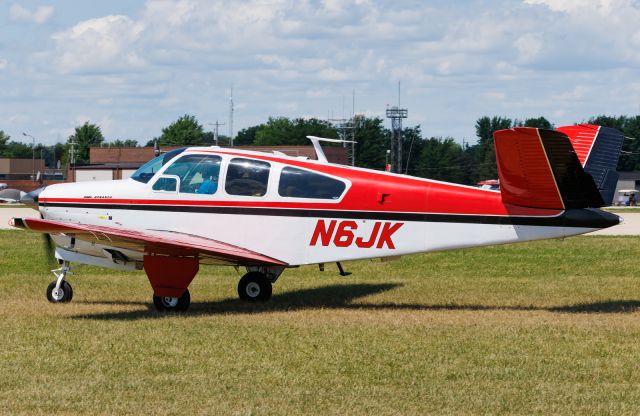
x=151 y=241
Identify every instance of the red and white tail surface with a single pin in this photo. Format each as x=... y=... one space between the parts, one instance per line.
x=539 y=169
x=598 y=149
x=582 y=137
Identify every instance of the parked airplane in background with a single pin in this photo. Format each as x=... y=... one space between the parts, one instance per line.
x=268 y=211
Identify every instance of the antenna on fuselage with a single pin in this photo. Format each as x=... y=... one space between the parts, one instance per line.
x=316 y=145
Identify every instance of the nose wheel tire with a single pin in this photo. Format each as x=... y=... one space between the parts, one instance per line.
x=254 y=287
x=172 y=304
x=62 y=295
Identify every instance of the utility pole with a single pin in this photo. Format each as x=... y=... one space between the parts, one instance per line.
x=215 y=132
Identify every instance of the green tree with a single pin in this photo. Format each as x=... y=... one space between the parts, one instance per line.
x=630 y=127
x=441 y=159
x=630 y=160
x=85 y=136
x=484 y=153
x=372 y=143
x=13 y=149
x=412 y=144
x=247 y=136
x=4 y=139
x=539 y=122
x=284 y=131
x=185 y=131
x=123 y=143
x=208 y=139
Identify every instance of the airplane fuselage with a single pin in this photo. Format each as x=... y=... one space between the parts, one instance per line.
x=375 y=214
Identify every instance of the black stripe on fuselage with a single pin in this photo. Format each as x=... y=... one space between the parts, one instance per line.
x=585 y=218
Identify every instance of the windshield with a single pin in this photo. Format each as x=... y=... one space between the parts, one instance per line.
x=149 y=169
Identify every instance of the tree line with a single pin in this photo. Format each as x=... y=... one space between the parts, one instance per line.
x=440 y=158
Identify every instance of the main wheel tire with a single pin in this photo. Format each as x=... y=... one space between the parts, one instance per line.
x=171 y=304
x=254 y=287
x=62 y=295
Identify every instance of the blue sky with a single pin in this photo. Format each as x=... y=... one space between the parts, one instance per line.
x=134 y=66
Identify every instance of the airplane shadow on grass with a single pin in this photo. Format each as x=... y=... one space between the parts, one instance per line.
x=342 y=297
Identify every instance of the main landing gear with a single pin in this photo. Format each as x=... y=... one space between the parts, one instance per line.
x=254 y=287
x=60 y=291
x=256 y=284
x=172 y=304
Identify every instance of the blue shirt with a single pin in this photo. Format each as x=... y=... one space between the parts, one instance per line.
x=208 y=187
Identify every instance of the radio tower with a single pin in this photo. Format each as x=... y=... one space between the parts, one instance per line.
x=347 y=130
x=396 y=114
x=231 y=118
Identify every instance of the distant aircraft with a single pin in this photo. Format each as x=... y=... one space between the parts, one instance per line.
x=11 y=196
x=267 y=212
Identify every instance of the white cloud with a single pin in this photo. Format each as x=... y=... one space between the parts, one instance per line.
x=39 y=15
x=139 y=71
x=3 y=63
x=98 y=45
x=571 y=6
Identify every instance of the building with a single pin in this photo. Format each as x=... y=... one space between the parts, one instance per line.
x=19 y=174
x=107 y=163
x=20 y=169
x=628 y=181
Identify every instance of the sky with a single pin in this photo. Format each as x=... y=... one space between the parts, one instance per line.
x=135 y=66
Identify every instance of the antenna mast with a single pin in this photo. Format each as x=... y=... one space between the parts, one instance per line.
x=231 y=118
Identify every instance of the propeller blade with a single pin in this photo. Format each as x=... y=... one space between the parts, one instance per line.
x=31 y=199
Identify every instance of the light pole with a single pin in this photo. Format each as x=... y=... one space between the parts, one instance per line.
x=33 y=155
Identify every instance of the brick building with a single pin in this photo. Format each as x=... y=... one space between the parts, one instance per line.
x=19 y=169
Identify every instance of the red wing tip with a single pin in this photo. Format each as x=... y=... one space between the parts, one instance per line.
x=17 y=222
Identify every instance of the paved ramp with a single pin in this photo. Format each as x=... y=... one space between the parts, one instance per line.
x=630 y=226
x=7 y=213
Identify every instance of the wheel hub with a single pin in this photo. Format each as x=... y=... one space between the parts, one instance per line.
x=170 y=302
x=57 y=294
x=253 y=290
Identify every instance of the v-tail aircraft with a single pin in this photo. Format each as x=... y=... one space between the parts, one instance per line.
x=266 y=212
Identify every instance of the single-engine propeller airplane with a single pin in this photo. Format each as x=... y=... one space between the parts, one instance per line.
x=267 y=211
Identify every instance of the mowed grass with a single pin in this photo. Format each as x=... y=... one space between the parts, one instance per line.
x=549 y=327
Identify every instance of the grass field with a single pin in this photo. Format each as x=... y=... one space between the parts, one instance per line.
x=541 y=328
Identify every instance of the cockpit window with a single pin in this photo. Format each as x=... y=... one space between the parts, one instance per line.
x=198 y=173
x=149 y=169
x=247 y=177
x=299 y=183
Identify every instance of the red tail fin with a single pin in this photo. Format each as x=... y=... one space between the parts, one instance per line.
x=539 y=168
x=582 y=138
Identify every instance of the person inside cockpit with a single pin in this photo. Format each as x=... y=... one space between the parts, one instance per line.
x=209 y=184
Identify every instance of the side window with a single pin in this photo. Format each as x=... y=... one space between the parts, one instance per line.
x=149 y=169
x=166 y=184
x=299 y=183
x=198 y=173
x=247 y=177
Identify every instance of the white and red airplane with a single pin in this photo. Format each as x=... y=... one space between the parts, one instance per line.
x=267 y=211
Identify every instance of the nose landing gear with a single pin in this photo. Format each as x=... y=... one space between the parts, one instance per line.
x=60 y=291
